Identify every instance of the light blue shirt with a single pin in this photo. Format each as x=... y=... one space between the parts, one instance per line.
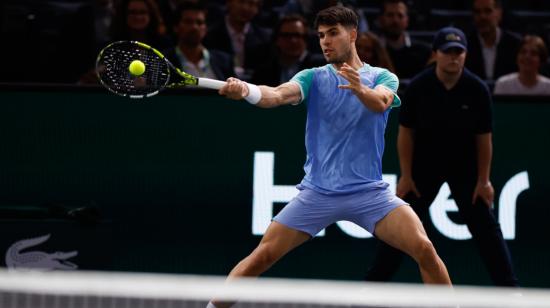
x=344 y=139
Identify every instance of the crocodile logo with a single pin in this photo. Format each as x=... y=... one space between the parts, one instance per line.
x=15 y=259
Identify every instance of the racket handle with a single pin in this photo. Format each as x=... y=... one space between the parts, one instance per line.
x=211 y=83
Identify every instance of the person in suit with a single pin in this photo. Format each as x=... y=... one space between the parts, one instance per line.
x=290 y=54
x=190 y=54
x=492 y=52
x=409 y=56
x=239 y=36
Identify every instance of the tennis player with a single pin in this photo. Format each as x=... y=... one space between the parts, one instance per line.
x=348 y=105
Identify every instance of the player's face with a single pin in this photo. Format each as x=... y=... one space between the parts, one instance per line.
x=528 y=58
x=138 y=15
x=451 y=61
x=336 y=42
x=191 y=28
x=486 y=15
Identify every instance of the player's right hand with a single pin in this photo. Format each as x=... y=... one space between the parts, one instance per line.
x=406 y=185
x=234 y=89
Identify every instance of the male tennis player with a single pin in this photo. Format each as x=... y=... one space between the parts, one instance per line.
x=348 y=105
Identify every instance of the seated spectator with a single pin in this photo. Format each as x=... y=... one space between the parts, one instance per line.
x=239 y=36
x=371 y=51
x=527 y=81
x=136 y=20
x=139 y=20
x=290 y=55
x=408 y=56
x=190 y=55
x=492 y=50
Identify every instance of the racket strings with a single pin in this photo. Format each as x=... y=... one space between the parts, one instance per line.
x=113 y=71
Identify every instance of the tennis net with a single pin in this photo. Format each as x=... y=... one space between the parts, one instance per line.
x=31 y=289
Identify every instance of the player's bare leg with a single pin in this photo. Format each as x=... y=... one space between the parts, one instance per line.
x=277 y=241
x=402 y=229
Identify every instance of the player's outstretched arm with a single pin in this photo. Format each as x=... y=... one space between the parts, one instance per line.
x=262 y=96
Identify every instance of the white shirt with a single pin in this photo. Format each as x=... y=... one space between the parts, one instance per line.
x=201 y=69
x=510 y=85
x=237 y=41
x=490 y=55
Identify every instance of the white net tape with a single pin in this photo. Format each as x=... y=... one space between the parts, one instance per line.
x=267 y=291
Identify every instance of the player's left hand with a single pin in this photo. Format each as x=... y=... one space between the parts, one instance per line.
x=485 y=191
x=352 y=76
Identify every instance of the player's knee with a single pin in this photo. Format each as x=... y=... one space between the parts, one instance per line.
x=265 y=255
x=424 y=252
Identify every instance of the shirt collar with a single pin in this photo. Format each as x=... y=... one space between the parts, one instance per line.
x=363 y=68
x=203 y=63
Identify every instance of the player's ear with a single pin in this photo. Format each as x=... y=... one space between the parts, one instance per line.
x=353 y=35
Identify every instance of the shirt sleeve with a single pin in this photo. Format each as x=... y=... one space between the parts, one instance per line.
x=304 y=79
x=391 y=82
x=485 y=120
x=407 y=112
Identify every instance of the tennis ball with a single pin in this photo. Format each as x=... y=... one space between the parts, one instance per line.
x=136 y=68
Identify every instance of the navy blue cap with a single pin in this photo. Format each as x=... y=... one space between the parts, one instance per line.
x=450 y=37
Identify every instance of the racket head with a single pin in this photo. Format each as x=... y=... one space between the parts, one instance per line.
x=112 y=67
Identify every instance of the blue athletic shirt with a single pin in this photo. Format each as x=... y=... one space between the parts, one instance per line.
x=344 y=139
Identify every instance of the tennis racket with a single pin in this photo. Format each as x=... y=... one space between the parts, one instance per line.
x=112 y=67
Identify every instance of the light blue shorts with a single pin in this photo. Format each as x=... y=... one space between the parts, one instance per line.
x=311 y=211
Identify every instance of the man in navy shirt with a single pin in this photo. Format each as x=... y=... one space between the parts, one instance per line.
x=445 y=135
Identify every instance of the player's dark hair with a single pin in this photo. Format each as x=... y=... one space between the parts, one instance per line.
x=337 y=15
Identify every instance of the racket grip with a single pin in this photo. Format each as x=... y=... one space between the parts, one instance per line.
x=211 y=83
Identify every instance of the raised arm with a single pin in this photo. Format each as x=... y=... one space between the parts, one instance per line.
x=269 y=97
x=378 y=99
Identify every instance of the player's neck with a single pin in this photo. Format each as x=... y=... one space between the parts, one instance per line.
x=353 y=61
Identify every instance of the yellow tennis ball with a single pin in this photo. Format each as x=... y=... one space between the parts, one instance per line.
x=136 y=68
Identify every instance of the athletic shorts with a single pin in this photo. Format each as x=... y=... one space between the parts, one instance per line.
x=311 y=211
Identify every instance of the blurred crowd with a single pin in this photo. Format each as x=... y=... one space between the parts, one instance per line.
x=267 y=42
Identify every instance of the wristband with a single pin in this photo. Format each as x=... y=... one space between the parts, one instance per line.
x=254 y=94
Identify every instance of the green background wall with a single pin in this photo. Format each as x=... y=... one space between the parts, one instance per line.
x=172 y=178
